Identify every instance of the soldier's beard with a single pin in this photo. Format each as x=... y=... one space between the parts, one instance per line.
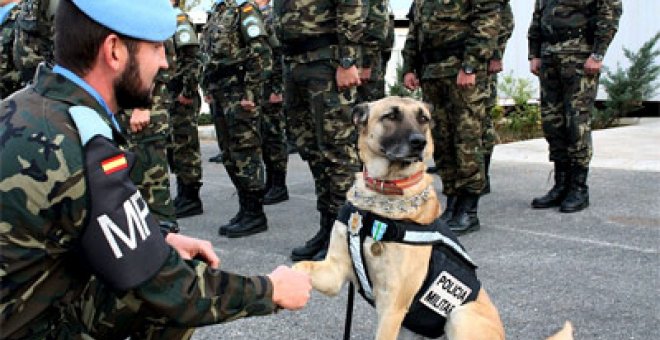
x=129 y=89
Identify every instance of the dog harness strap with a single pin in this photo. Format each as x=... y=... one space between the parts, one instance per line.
x=350 y=216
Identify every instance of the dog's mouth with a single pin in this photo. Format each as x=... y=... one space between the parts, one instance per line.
x=405 y=157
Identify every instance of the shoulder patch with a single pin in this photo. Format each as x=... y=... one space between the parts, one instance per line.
x=253 y=31
x=89 y=123
x=180 y=18
x=248 y=8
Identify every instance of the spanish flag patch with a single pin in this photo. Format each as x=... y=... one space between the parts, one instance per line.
x=114 y=164
x=248 y=9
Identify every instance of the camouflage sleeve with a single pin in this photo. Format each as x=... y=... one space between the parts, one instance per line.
x=276 y=82
x=258 y=67
x=351 y=21
x=188 y=70
x=485 y=22
x=607 y=23
x=410 y=52
x=534 y=33
x=506 y=29
x=191 y=294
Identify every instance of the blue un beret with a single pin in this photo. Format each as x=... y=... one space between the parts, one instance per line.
x=151 y=20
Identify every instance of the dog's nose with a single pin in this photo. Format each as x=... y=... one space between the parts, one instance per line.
x=417 y=141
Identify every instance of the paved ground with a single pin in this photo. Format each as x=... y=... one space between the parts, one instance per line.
x=599 y=268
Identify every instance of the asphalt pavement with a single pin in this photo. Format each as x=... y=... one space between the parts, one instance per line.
x=599 y=268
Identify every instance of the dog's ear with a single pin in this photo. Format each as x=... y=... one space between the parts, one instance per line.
x=360 y=114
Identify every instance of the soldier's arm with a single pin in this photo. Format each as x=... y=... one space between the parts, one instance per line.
x=485 y=22
x=189 y=69
x=411 y=47
x=506 y=29
x=259 y=66
x=351 y=26
x=534 y=33
x=607 y=23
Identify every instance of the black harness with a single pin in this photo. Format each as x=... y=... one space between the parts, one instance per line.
x=451 y=279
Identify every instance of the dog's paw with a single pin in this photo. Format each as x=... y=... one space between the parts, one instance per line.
x=303 y=266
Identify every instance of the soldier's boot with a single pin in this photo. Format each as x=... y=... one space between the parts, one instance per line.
x=190 y=204
x=317 y=246
x=217 y=158
x=578 y=193
x=465 y=219
x=170 y=226
x=253 y=220
x=449 y=209
x=487 y=157
x=277 y=192
x=179 y=192
x=234 y=220
x=558 y=192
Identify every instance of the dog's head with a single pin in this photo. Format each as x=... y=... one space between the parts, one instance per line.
x=394 y=136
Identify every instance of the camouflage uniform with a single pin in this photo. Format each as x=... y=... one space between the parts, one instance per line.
x=10 y=80
x=380 y=28
x=274 y=146
x=239 y=61
x=33 y=42
x=315 y=34
x=48 y=290
x=489 y=133
x=564 y=34
x=186 y=158
x=445 y=37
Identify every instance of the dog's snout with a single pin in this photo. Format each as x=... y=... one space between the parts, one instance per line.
x=417 y=141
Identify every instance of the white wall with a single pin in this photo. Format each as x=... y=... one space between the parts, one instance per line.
x=640 y=21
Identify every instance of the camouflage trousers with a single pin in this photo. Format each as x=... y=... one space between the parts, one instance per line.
x=319 y=119
x=99 y=313
x=373 y=89
x=241 y=144
x=186 y=158
x=275 y=153
x=151 y=172
x=567 y=98
x=458 y=132
x=489 y=134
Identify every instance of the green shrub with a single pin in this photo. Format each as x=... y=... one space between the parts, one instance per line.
x=398 y=89
x=205 y=119
x=522 y=120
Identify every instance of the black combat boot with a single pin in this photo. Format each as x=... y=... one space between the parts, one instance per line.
x=558 y=192
x=217 y=158
x=234 y=220
x=317 y=245
x=578 y=193
x=190 y=204
x=465 y=218
x=487 y=157
x=277 y=191
x=449 y=209
x=179 y=192
x=253 y=220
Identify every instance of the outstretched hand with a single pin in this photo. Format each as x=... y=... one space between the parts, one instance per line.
x=291 y=288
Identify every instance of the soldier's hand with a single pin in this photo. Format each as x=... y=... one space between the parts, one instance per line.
x=291 y=288
x=247 y=105
x=139 y=119
x=410 y=81
x=189 y=248
x=466 y=81
x=275 y=98
x=347 y=77
x=535 y=66
x=495 y=66
x=184 y=100
x=365 y=74
x=592 y=67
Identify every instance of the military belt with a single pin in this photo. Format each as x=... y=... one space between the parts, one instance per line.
x=562 y=35
x=435 y=56
x=300 y=46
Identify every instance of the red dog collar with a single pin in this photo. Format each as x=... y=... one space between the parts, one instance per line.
x=391 y=187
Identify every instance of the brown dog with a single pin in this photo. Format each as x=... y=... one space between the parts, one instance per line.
x=394 y=141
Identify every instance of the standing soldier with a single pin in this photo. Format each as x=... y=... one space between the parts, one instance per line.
x=10 y=80
x=567 y=43
x=276 y=156
x=376 y=43
x=34 y=34
x=239 y=60
x=495 y=66
x=186 y=159
x=448 y=47
x=321 y=44
x=205 y=83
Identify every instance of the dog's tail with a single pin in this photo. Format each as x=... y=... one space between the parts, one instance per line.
x=565 y=333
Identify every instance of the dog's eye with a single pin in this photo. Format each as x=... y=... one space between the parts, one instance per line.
x=423 y=119
x=392 y=115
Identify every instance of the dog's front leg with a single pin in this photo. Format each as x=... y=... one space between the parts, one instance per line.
x=329 y=275
x=390 y=317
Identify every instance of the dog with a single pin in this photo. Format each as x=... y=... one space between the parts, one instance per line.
x=394 y=141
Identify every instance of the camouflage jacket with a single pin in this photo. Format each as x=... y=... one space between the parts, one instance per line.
x=34 y=36
x=302 y=23
x=274 y=83
x=376 y=33
x=445 y=35
x=237 y=51
x=44 y=202
x=506 y=29
x=10 y=80
x=573 y=26
x=187 y=67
